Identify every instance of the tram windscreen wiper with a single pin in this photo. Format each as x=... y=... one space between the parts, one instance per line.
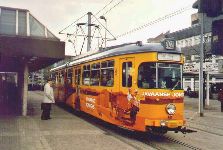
x=175 y=85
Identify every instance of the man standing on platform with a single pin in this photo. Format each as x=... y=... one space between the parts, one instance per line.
x=47 y=100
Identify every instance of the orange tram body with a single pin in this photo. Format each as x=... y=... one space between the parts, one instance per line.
x=135 y=86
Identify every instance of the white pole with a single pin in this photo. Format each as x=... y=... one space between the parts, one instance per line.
x=89 y=32
x=192 y=84
x=25 y=90
x=207 y=89
x=201 y=78
x=105 y=33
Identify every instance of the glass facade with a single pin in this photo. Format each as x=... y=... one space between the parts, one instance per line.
x=22 y=27
x=8 y=22
x=14 y=22
x=36 y=28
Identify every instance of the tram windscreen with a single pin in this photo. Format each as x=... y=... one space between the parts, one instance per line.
x=169 y=76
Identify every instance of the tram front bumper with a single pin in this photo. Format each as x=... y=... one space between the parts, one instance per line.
x=164 y=123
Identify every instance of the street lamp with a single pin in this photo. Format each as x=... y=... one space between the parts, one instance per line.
x=103 y=18
x=73 y=46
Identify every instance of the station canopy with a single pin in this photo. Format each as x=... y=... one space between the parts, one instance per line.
x=23 y=39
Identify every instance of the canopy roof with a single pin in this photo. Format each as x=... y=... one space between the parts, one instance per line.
x=24 y=38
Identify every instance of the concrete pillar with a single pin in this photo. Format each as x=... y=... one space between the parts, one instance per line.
x=192 y=84
x=42 y=82
x=184 y=87
x=25 y=90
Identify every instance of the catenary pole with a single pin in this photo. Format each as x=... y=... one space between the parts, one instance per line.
x=89 y=32
x=201 y=77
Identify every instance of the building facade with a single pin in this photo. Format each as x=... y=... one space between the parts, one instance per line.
x=189 y=41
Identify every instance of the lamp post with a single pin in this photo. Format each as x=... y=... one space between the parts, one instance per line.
x=103 y=18
x=73 y=46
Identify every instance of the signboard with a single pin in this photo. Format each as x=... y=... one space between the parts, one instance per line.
x=220 y=66
x=208 y=66
x=167 y=56
x=169 y=44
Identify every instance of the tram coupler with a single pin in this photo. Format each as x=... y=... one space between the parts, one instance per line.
x=184 y=130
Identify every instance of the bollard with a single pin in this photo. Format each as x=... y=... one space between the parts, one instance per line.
x=220 y=98
x=222 y=106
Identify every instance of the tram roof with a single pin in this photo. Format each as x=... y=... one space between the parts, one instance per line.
x=123 y=49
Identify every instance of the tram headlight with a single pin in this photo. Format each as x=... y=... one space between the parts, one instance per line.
x=171 y=109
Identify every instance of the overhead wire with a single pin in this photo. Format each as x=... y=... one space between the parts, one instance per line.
x=84 y=16
x=113 y=7
x=72 y=24
x=98 y=18
x=72 y=34
x=104 y=27
x=104 y=7
x=156 y=21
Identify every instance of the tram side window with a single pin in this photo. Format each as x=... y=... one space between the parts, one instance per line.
x=95 y=74
x=86 y=75
x=56 y=77
x=59 y=78
x=69 y=76
x=53 y=76
x=62 y=77
x=77 y=76
x=126 y=75
x=107 y=73
x=147 y=75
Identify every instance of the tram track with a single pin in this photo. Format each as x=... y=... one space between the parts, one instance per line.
x=182 y=143
x=165 y=138
x=137 y=140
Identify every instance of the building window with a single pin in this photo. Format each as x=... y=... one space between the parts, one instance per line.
x=126 y=75
x=190 y=42
x=186 y=43
x=107 y=73
x=196 y=40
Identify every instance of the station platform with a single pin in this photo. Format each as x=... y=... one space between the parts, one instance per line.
x=65 y=131
x=69 y=130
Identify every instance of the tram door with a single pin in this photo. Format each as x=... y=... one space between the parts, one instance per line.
x=127 y=70
x=77 y=87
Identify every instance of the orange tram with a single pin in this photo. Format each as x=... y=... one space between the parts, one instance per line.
x=135 y=86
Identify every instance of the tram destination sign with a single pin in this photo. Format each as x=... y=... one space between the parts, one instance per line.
x=166 y=56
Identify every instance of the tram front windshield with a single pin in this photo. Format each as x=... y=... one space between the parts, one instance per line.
x=169 y=76
x=160 y=75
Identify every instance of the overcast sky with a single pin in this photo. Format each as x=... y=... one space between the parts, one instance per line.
x=129 y=14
